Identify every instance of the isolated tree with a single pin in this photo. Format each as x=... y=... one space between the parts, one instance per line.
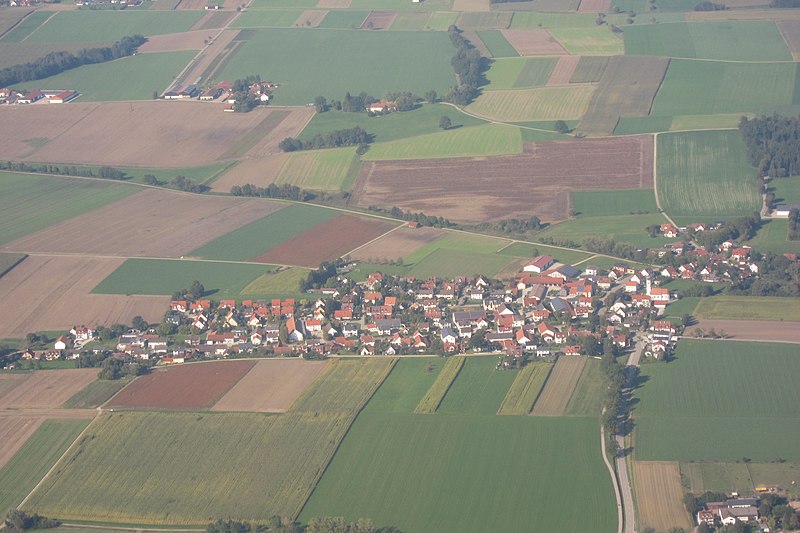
x=320 y=104
x=561 y=126
x=196 y=290
x=445 y=123
x=139 y=323
x=431 y=97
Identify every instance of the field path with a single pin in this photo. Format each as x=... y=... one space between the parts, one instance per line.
x=620 y=509
x=39 y=26
x=357 y=248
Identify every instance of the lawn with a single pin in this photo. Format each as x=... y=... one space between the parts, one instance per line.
x=30 y=203
x=627 y=228
x=490 y=139
x=497 y=43
x=95 y=394
x=545 y=103
x=787 y=190
x=727 y=396
x=694 y=167
x=135 y=467
x=29 y=465
x=773 y=237
x=610 y=203
x=161 y=276
x=341 y=59
x=255 y=238
x=321 y=170
x=83 y=26
x=130 y=78
x=592 y=41
x=749 y=308
x=520 y=72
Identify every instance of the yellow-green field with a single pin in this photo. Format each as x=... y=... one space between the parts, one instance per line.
x=430 y=402
x=749 y=308
x=594 y=41
x=527 y=385
x=321 y=170
x=546 y=103
x=491 y=139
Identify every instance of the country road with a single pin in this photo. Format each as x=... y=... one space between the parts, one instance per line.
x=622 y=460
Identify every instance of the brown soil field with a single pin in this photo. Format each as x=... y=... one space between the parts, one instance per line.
x=152 y=223
x=790 y=29
x=473 y=37
x=398 y=243
x=175 y=42
x=594 y=6
x=214 y=19
x=534 y=42
x=328 y=4
x=14 y=432
x=160 y=133
x=259 y=171
x=47 y=388
x=537 y=182
x=659 y=495
x=559 y=386
x=755 y=330
x=379 y=20
x=290 y=126
x=51 y=293
x=190 y=386
x=563 y=70
x=271 y=386
x=9 y=381
x=471 y=5
x=329 y=240
x=213 y=59
x=310 y=18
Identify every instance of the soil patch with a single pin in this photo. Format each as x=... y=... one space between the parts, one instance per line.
x=190 y=386
x=557 y=391
x=175 y=42
x=290 y=126
x=260 y=171
x=533 y=42
x=47 y=388
x=310 y=19
x=271 y=386
x=396 y=244
x=379 y=20
x=563 y=70
x=757 y=330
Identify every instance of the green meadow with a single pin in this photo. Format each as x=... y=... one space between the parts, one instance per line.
x=613 y=203
x=490 y=139
x=91 y=26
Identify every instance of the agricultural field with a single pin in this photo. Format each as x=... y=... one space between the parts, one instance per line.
x=613 y=203
x=594 y=41
x=276 y=283
x=272 y=18
x=14 y=432
x=136 y=466
x=772 y=236
x=749 y=308
x=560 y=385
x=694 y=166
x=478 y=390
x=258 y=171
x=534 y=42
x=552 y=20
x=545 y=103
x=397 y=244
x=564 y=70
x=787 y=190
x=587 y=398
x=514 y=73
x=441 y=20
x=757 y=330
x=160 y=276
x=589 y=69
x=497 y=44
x=321 y=170
x=344 y=19
x=410 y=21
x=752 y=387
x=452 y=263
x=95 y=394
x=444 y=380
x=639 y=125
x=562 y=255
x=25 y=27
x=76 y=26
x=526 y=388
x=47 y=389
x=627 y=228
x=482 y=141
x=659 y=495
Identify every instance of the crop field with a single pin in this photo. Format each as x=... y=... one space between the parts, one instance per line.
x=613 y=203
x=268 y=232
x=321 y=170
x=400 y=243
x=136 y=467
x=478 y=390
x=484 y=21
x=458 y=242
x=564 y=70
x=441 y=20
x=693 y=167
x=344 y=19
x=590 y=69
x=95 y=394
x=272 y=386
x=700 y=122
x=410 y=21
x=76 y=26
x=790 y=30
x=758 y=330
x=258 y=171
x=310 y=18
x=552 y=20
x=153 y=222
x=271 y=18
x=276 y=283
x=752 y=387
x=175 y=42
x=21 y=473
x=659 y=495
x=560 y=385
x=638 y=125
x=772 y=237
x=28 y=25
x=626 y=228
x=379 y=20
x=14 y=432
x=594 y=41
x=453 y=263
x=749 y=308
x=723 y=477
x=497 y=44
x=536 y=182
x=513 y=73
x=46 y=389
x=752 y=40
x=9 y=261
x=487 y=140
x=587 y=398
x=545 y=103
x=341 y=57
x=703 y=88
x=433 y=398
x=533 y=42
x=159 y=276
x=527 y=385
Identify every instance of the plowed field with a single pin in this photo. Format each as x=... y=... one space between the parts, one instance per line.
x=47 y=388
x=537 y=182
x=757 y=330
x=559 y=387
x=533 y=42
x=396 y=244
x=174 y=42
x=660 y=495
x=379 y=20
x=563 y=70
x=191 y=386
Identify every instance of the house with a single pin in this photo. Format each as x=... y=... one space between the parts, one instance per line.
x=62 y=97
x=82 y=333
x=294 y=333
x=783 y=210
x=313 y=325
x=730 y=515
x=382 y=107
x=669 y=231
x=705 y=516
x=448 y=335
x=62 y=343
x=539 y=264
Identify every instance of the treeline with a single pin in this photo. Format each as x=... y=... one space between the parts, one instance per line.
x=17 y=520
x=613 y=403
x=785 y=3
x=317 y=279
x=420 y=218
x=773 y=144
x=182 y=183
x=57 y=62
x=324 y=524
x=286 y=191
x=512 y=225
x=469 y=66
x=104 y=172
x=794 y=225
x=346 y=137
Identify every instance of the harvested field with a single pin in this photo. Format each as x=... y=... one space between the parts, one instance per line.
x=379 y=20
x=14 y=432
x=47 y=388
x=310 y=18
x=205 y=68
x=164 y=134
x=155 y=223
x=790 y=30
x=496 y=20
x=471 y=5
x=564 y=70
x=473 y=37
x=754 y=330
x=260 y=171
x=271 y=386
x=190 y=386
x=53 y=293
x=175 y=42
x=590 y=69
x=545 y=103
x=399 y=243
x=594 y=6
x=533 y=42
x=659 y=495
x=627 y=87
x=333 y=4
x=212 y=20
x=290 y=126
x=560 y=384
x=537 y=182
x=329 y=240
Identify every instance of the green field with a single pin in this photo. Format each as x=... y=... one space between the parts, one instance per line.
x=26 y=26
x=704 y=122
x=527 y=385
x=635 y=125
x=787 y=190
x=346 y=61
x=83 y=26
x=276 y=283
x=430 y=402
x=30 y=203
x=484 y=20
x=490 y=139
x=321 y=170
x=454 y=253
x=497 y=43
x=552 y=20
x=441 y=20
x=728 y=396
x=587 y=398
x=683 y=306
x=773 y=237
x=451 y=471
x=520 y=72
x=130 y=78
x=410 y=21
x=741 y=477
x=628 y=228
x=704 y=88
x=162 y=276
x=137 y=467
x=265 y=233
x=95 y=394
x=741 y=40
x=545 y=103
x=592 y=41
x=344 y=19
x=272 y=18
x=20 y=474
x=525 y=250
x=610 y=203
x=749 y=308
x=694 y=167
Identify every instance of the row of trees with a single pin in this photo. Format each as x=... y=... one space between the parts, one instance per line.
x=104 y=172
x=469 y=66
x=773 y=144
x=17 y=520
x=345 y=137
x=276 y=524
x=182 y=183
x=57 y=62
x=512 y=225
x=286 y=191
x=420 y=218
x=794 y=225
x=613 y=403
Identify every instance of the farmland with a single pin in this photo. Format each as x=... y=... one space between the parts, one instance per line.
x=627 y=228
x=589 y=69
x=135 y=459
x=512 y=73
x=587 y=398
x=396 y=244
x=749 y=308
x=76 y=26
x=497 y=43
x=527 y=385
x=559 y=387
x=658 y=494
x=534 y=42
x=758 y=330
x=28 y=24
x=321 y=170
x=694 y=166
x=276 y=283
x=487 y=140
x=564 y=70
x=613 y=203
x=740 y=477
x=772 y=237
x=95 y=394
x=595 y=41
x=752 y=386
x=546 y=103
x=478 y=390
x=430 y=402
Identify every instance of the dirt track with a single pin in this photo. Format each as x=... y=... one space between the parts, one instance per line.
x=759 y=330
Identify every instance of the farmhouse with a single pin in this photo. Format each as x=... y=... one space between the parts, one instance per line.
x=382 y=107
x=539 y=264
x=783 y=210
